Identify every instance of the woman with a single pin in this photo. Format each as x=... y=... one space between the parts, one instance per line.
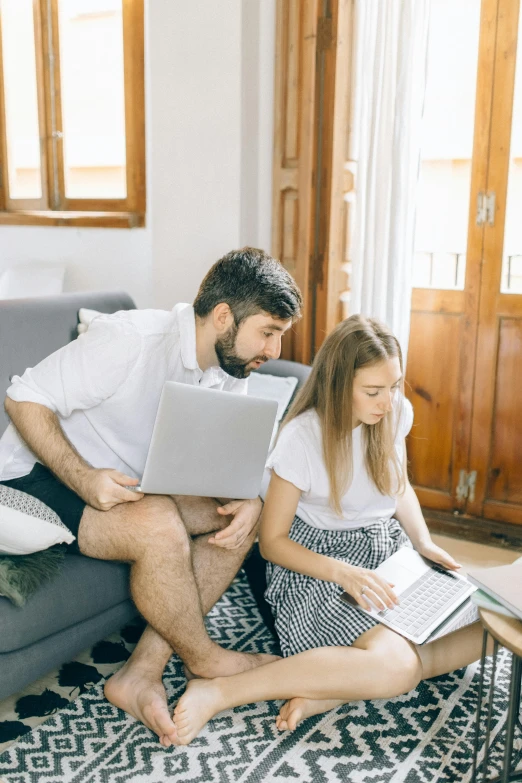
x=338 y=491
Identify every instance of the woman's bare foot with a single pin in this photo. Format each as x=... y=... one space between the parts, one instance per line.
x=295 y=710
x=201 y=701
x=144 y=699
x=225 y=663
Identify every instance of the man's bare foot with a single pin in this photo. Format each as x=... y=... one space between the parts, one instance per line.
x=295 y=710
x=225 y=663
x=144 y=699
x=201 y=701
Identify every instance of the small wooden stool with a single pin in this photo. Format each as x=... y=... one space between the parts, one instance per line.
x=505 y=631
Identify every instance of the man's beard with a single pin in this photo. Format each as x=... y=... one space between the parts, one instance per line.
x=229 y=360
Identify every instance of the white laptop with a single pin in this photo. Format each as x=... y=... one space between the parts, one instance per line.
x=428 y=594
x=208 y=442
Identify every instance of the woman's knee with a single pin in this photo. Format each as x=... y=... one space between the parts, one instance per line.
x=400 y=665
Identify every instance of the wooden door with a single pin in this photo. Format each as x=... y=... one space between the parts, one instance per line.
x=442 y=348
x=311 y=176
x=496 y=435
x=464 y=365
x=464 y=357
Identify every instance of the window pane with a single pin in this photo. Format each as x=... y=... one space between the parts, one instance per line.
x=93 y=106
x=512 y=262
x=21 y=102
x=447 y=145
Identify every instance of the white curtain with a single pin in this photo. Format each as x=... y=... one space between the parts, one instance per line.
x=390 y=75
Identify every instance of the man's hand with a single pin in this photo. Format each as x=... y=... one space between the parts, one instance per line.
x=246 y=514
x=105 y=488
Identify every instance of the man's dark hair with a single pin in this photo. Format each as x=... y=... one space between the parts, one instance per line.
x=249 y=281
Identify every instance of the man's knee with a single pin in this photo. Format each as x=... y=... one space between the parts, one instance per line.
x=129 y=530
x=158 y=521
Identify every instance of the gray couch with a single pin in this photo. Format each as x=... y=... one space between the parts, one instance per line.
x=90 y=598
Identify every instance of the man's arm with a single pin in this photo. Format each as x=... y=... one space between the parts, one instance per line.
x=40 y=429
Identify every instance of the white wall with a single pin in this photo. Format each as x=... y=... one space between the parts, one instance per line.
x=195 y=126
x=209 y=85
x=258 y=58
x=96 y=259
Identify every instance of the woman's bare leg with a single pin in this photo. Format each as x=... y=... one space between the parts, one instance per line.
x=453 y=651
x=383 y=665
x=442 y=656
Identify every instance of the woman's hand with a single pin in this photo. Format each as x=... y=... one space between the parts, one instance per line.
x=368 y=588
x=438 y=555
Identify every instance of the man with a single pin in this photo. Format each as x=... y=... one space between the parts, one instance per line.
x=83 y=420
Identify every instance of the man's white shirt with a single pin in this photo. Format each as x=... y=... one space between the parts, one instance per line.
x=105 y=387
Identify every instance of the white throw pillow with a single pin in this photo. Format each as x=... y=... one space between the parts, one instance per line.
x=28 y=525
x=273 y=387
x=85 y=317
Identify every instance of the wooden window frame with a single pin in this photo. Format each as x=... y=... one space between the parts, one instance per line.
x=53 y=208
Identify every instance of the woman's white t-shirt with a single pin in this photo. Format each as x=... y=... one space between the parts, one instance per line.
x=298 y=458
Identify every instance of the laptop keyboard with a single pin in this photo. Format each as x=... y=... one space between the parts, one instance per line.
x=425 y=600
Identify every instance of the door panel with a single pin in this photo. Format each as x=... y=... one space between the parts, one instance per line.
x=293 y=167
x=311 y=181
x=505 y=474
x=434 y=344
x=333 y=214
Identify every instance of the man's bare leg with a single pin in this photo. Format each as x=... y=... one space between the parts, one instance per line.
x=171 y=572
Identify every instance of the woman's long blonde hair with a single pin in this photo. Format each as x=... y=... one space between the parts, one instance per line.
x=355 y=343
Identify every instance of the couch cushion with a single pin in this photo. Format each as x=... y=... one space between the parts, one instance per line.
x=84 y=588
x=32 y=329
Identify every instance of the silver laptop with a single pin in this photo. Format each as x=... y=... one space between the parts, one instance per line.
x=208 y=442
x=428 y=594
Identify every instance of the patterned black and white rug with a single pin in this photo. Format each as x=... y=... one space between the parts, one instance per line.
x=424 y=736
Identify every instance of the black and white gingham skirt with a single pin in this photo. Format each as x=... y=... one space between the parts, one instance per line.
x=309 y=612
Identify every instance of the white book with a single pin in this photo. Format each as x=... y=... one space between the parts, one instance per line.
x=504 y=583
x=485 y=601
